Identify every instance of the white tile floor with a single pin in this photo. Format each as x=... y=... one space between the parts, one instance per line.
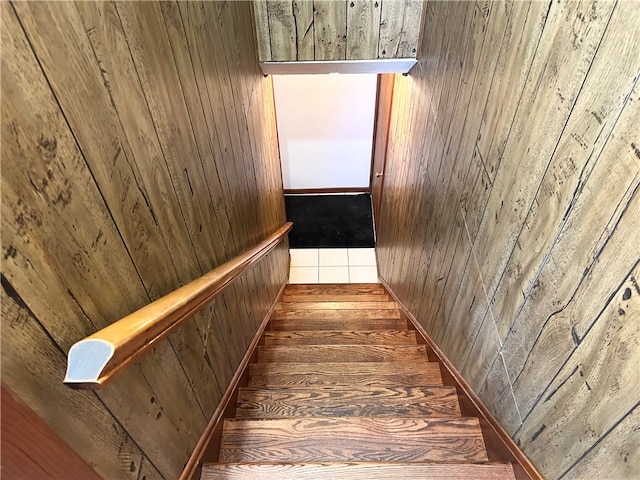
x=333 y=265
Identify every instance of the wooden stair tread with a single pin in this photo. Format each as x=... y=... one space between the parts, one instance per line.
x=358 y=471
x=343 y=297
x=364 y=314
x=342 y=353
x=358 y=369
x=388 y=305
x=352 y=439
x=334 y=288
x=338 y=324
x=326 y=379
x=344 y=337
x=341 y=380
x=354 y=401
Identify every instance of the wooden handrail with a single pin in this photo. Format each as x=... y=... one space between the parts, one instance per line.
x=95 y=360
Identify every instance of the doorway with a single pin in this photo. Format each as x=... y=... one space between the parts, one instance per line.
x=332 y=133
x=325 y=131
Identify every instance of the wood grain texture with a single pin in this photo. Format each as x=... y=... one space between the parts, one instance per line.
x=130 y=337
x=322 y=337
x=359 y=439
x=500 y=446
x=400 y=23
x=613 y=456
x=303 y=30
x=330 y=30
x=373 y=378
x=363 y=21
x=571 y=403
x=295 y=324
x=282 y=30
x=31 y=449
x=262 y=30
x=342 y=353
x=81 y=287
x=354 y=471
x=208 y=446
x=303 y=15
x=306 y=297
x=513 y=159
x=337 y=306
x=384 y=97
x=351 y=368
x=351 y=401
x=32 y=362
x=125 y=176
x=321 y=314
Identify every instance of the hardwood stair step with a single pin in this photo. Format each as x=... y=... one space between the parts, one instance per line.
x=350 y=324
x=342 y=353
x=318 y=297
x=352 y=439
x=309 y=380
x=341 y=337
x=363 y=314
x=337 y=306
x=382 y=374
x=358 y=471
x=334 y=288
x=352 y=401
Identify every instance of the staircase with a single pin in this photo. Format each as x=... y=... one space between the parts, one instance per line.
x=343 y=389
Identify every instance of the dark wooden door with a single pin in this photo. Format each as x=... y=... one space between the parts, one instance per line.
x=380 y=137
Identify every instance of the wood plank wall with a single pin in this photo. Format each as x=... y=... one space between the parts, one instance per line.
x=307 y=30
x=511 y=214
x=139 y=151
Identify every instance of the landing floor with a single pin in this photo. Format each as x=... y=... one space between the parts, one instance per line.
x=333 y=265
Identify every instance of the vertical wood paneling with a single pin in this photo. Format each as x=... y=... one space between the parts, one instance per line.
x=330 y=30
x=32 y=363
x=400 y=28
x=282 y=30
x=610 y=457
x=303 y=18
x=363 y=20
x=507 y=225
x=585 y=400
x=126 y=173
x=111 y=48
x=306 y=30
x=62 y=253
x=262 y=29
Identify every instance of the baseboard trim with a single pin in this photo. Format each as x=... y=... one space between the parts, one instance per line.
x=500 y=445
x=208 y=447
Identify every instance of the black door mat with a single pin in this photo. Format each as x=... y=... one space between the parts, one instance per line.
x=330 y=221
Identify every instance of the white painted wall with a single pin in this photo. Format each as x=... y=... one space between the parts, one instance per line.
x=325 y=129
